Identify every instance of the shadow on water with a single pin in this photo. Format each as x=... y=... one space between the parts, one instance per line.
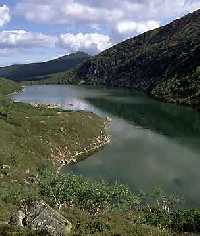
x=181 y=123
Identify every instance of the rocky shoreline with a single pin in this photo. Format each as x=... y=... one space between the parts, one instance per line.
x=96 y=145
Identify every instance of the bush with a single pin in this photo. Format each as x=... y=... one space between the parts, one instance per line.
x=179 y=220
x=186 y=220
x=7 y=230
x=86 y=194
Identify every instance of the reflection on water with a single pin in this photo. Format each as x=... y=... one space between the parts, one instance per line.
x=170 y=120
x=153 y=144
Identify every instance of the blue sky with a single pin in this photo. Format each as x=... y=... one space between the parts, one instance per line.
x=39 y=30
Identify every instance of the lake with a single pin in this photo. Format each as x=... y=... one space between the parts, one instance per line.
x=153 y=144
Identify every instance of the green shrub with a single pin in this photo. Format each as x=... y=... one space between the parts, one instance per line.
x=186 y=220
x=179 y=220
x=7 y=230
x=81 y=192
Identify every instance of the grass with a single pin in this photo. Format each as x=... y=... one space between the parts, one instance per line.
x=7 y=87
x=36 y=134
x=32 y=135
x=108 y=224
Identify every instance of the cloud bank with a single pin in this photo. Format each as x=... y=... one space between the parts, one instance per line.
x=91 y=43
x=24 y=39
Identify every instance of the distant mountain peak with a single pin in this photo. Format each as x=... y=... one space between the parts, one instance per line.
x=74 y=54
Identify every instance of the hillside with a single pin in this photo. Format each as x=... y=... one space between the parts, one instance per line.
x=37 y=71
x=66 y=77
x=8 y=87
x=163 y=62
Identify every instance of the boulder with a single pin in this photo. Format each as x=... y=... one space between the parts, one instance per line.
x=39 y=216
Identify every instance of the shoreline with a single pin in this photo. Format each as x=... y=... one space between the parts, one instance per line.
x=61 y=160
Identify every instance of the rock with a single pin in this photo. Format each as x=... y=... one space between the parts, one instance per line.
x=17 y=218
x=39 y=216
x=4 y=170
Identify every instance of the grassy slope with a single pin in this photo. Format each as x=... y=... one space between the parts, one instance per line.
x=33 y=136
x=7 y=87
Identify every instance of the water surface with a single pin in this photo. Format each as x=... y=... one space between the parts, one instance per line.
x=153 y=144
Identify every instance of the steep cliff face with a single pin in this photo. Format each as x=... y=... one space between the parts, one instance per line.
x=149 y=59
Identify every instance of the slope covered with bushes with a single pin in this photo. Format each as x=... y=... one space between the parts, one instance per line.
x=151 y=60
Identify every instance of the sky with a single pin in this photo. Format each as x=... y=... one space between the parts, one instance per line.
x=41 y=30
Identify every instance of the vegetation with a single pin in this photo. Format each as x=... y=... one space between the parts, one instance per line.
x=7 y=87
x=180 y=89
x=56 y=78
x=115 y=207
x=168 y=54
x=36 y=71
x=34 y=136
x=98 y=208
x=94 y=208
x=92 y=196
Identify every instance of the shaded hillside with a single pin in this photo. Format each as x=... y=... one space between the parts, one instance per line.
x=66 y=77
x=34 y=71
x=145 y=61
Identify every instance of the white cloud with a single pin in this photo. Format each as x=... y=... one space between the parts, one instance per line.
x=24 y=39
x=104 y=11
x=131 y=27
x=4 y=15
x=66 y=12
x=21 y=39
x=91 y=42
x=119 y=18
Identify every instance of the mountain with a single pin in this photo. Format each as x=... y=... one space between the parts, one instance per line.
x=35 y=71
x=164 y=62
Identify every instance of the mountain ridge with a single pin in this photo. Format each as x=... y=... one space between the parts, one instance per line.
x=146 y=61
x=33 y=71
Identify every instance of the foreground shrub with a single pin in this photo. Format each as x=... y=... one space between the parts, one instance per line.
x=179 y=220
x=87 y=194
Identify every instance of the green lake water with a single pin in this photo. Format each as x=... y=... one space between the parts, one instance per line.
x=153 y=144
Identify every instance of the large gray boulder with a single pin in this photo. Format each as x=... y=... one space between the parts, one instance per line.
x=39 y=216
